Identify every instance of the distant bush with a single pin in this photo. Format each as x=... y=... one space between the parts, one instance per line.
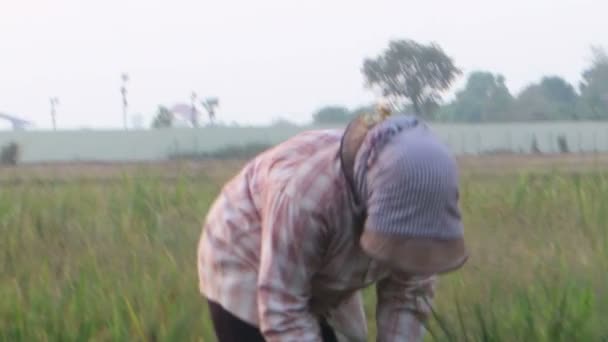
x=9 y=155
x=562 y=143
x=227 y=152
x=534 y=148
x=498 y=151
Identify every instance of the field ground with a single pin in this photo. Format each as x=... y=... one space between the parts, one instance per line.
x=106 y=252
x=219 y=170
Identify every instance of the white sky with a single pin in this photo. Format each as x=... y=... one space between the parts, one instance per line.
x=264 y=59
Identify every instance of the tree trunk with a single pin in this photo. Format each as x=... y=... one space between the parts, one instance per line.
x=416 y=105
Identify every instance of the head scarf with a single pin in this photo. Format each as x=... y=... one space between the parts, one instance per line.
x=408 y=180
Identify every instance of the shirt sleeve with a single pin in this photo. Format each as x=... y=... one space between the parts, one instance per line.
x=403 y=304
x=290 y=254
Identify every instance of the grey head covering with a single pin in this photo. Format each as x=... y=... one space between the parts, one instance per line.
x=407 y=179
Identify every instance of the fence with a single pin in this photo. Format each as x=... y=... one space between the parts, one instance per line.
x=578 y=137
x=143 y=145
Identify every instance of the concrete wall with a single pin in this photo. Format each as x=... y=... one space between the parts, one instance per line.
x=158 y=144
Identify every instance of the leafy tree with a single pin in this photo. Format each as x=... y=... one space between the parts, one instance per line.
x=331 y=114
x=281 y=122
x=533 y=105
x=561 y=95
x=556 y=89
x=163 y=119
x=551 y=99
x=210 y=104
x=485 y=97
x=594 y=87
x=409 y=71
x=362 y=110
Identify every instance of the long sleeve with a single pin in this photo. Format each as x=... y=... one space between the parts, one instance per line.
x=402 y=305
x=290 y=255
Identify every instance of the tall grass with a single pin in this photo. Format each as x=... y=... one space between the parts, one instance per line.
x=538 y=269
x=116 y=262
x=89 y=262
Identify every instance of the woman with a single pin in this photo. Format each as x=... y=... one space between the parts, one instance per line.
x=293 y=238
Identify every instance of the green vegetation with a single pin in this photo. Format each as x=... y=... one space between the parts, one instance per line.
x=412 y=72
x=163 y=118
x=116 y=261
x=9 y=154
x=414 y=77
x=243 y=151
x=538 y=269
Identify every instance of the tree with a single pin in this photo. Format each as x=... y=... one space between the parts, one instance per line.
x=331 y=114
x=282 y=122
x=210 y=104
x=163 y=119
x=485 y=97
x=561 y=95
x=362 y=110
x=558 y=90
x=551 y=99
x=533 y=105
x=594 y=87
x=409 y=71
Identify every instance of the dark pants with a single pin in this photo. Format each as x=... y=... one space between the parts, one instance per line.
x=229 y=328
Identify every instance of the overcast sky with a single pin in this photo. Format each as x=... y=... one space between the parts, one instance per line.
x=264 y=59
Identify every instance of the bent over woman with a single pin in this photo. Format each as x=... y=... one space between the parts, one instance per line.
x=292 y=239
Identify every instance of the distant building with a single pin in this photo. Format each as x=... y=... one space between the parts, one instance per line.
x=183 y=114
x=17 y=123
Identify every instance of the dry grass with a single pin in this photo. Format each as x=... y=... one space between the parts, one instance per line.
x=220 y=170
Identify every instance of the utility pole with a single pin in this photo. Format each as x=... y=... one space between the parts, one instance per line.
x=123 y=91
x=194 y=115
x=54 y=103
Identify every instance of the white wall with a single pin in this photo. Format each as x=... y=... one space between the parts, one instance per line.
x=158 y=144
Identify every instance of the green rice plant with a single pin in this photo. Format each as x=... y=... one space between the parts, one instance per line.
x=116 y=260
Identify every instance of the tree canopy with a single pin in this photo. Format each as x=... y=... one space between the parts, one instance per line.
x=331 y=114
x=163 y=119
x=594 y=87
x=551 y=99
x=412 y=76
x=485 y=97
x=408 y=71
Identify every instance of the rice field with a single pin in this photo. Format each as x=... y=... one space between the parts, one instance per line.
x=108 y=254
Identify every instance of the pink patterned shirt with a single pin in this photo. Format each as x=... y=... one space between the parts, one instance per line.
x=278 y=250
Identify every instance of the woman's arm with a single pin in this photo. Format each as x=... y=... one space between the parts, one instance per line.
x=402 y=307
